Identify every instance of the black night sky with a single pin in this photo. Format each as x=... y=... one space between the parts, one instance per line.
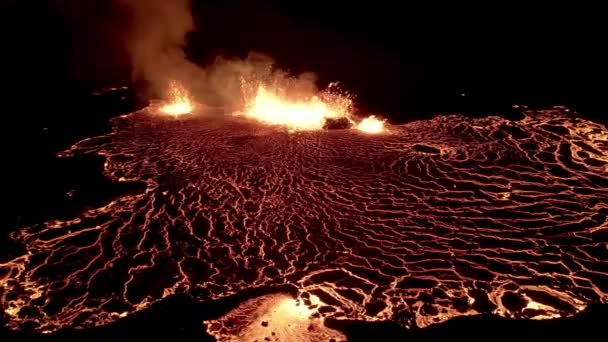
x=400 y=59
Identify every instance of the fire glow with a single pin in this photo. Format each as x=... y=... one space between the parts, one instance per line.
x=283 y=106
x=371 y=124
x=179 y=101
x=276 y=107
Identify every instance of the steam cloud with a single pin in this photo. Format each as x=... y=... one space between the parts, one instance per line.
x=156 y=39
x=153 y=34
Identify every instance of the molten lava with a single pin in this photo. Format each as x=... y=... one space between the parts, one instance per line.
x=179 y=100
x=475 y=215
x=371 y=124
x=276 y=107
x=275 y=317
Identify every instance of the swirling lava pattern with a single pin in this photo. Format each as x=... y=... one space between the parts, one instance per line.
x=429 y=220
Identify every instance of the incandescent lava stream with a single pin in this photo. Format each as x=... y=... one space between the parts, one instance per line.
x=426 y=221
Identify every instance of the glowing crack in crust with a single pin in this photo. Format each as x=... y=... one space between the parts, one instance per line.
x=436 y=219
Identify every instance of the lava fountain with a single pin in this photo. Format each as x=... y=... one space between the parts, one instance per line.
x=296 y=110
x=371 y=124
x=179 y=101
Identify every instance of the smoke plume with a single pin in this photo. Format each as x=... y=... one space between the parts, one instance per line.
x=153 y=34
x=156 y=40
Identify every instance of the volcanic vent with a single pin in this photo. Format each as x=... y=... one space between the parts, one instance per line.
x=423 y=222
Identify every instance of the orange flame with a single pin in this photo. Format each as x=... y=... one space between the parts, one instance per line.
x=278 y=107
x=371 y=124
x=179 y=101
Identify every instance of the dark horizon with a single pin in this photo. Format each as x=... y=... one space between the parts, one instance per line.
x=399 y=60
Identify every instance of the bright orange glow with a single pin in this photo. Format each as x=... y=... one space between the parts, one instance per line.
x=276 y=317
x=371 y=124
x=179 y=101
x=276 y=107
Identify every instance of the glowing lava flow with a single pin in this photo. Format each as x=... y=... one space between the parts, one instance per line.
x=308 y=113
x=441 y=218
x=371 y=124
x=179 y=101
